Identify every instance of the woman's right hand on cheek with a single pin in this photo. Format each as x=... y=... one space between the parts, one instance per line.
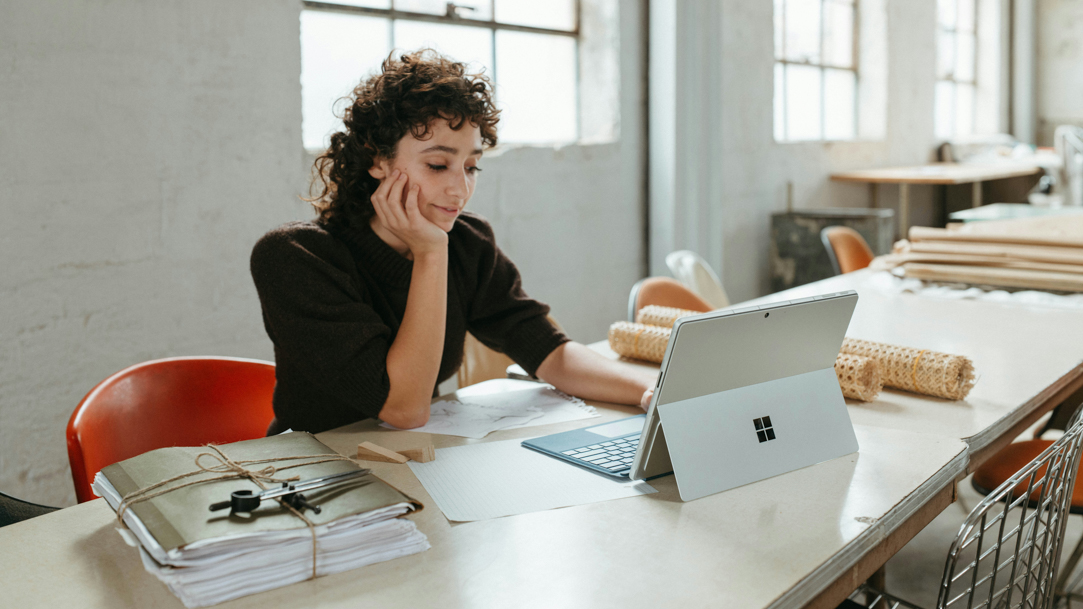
x=402 y=215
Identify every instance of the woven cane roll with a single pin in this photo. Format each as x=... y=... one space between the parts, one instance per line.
x=921 y=371
x=654 y=315
x=859 y=377
x=639 y=341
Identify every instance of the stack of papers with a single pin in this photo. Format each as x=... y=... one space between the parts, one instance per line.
x=209 y=557
x=1043 y=253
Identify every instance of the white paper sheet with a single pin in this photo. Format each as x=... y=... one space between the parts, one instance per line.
x=496 y=479
x=502 y=404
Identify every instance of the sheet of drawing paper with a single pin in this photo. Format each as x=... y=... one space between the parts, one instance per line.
x=480 y=409
x=495 y=479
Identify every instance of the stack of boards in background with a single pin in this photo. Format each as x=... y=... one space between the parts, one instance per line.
x=863 y=367
x=1044 y=253
x=207 y=557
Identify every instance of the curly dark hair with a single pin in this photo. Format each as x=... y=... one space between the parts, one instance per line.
x=406 y=96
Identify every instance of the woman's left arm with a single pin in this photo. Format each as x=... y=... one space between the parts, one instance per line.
x=576 y=370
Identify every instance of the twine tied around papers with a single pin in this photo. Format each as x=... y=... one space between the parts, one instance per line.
x=229 y=469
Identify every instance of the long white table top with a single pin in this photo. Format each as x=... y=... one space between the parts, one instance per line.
x=775 y=543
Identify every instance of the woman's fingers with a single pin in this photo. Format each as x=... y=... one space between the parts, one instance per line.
x=645 y=400
x=394 y=199
x=413 y=212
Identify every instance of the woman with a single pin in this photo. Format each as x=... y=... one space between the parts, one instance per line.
x=368 y=306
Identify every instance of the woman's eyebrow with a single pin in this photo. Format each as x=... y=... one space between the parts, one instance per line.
x=449 y=150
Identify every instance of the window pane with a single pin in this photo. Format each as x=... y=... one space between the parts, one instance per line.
x=337 y=51
x=803 y=30
x=964 y=109
x=945 y=55
x=945 y=104
x=838 y=34
x=946 y=12
x=435 y=7
x=366 y=3
x=468 y=9
x=964 y=57
x=966 y=15
x=839 y=118
x=779 y=32
x=536 y=87
x=780 y=105
x=802 y=103
x=471 y=45
x=552 y=14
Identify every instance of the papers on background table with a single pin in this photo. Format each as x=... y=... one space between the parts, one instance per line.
x=889 y=283
x=485 y=407
x=495 y=479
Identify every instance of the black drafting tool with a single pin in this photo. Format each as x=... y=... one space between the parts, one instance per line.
x=245 y=502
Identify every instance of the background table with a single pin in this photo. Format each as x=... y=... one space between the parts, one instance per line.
x=937 y=174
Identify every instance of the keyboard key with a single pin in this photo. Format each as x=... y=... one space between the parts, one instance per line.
x=610 y=443
x=568 y=452
x=590 y=453
x=617 y=467
x=606 y=464
x=594 y=446
x=597 y=459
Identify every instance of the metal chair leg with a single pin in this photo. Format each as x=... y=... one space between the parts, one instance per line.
x=1066 y=571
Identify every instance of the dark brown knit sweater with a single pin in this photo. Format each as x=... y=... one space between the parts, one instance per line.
x=333 y=298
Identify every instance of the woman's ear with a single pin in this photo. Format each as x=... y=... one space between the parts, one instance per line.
x=379 y=169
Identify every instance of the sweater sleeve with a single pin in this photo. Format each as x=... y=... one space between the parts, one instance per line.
x=501 y=314
x=330 y=345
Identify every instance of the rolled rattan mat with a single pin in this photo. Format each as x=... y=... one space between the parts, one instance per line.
x=918 y=370
x=859 y=377
x=639 y=341
x=654 y=315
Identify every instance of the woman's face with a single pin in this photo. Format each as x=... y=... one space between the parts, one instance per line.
x=445 y=165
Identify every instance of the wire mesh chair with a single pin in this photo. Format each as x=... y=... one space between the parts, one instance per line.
x=1007 y=552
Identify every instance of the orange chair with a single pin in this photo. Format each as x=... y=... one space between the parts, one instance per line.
x=180 y=401
x=665 y=292
x=846 y=248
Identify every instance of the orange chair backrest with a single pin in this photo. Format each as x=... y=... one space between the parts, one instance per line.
x=666 y=292
x=851 y=250
x=182 y=401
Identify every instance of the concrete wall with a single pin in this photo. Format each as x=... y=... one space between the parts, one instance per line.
x=755 y=169
x=1060 y=66
x=750 y=170
x=145 y=146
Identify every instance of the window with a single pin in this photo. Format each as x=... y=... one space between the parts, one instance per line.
x=956 y=67
x=530 y=50
x=816 y=70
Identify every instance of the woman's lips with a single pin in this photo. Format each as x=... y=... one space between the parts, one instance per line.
x=451 y=211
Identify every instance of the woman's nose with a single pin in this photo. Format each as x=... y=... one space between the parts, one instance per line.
x=457 y=186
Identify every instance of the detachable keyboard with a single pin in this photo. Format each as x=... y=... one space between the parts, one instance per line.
x=608 y=448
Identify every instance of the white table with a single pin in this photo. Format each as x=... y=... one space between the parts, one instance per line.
x=805 y=538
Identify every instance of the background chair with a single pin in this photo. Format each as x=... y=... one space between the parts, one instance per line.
x=1007 y=551
x=665 y=292
x=14 y=510
x=181 y=401
x=695 y=274
x=846 y=248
